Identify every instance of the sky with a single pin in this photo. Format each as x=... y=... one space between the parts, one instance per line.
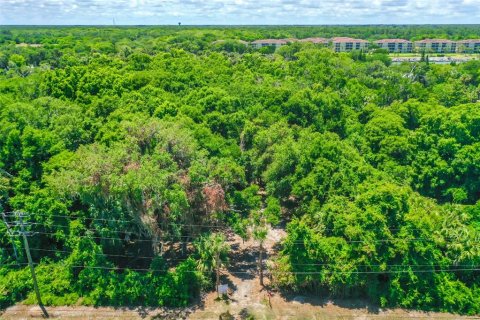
x=243 y=12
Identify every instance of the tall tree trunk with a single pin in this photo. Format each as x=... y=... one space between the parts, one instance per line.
x=184 y=246
x=155 y=245
x=217 y=269
x=260 y=263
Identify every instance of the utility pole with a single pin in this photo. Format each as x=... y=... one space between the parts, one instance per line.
x=4 y=216
x=30 y=263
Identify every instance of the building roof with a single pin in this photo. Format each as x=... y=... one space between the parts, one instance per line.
x=469 y=41
x=435 y=41
x=346 y=39
x=233 y=40
x=271 y=41
x=314 y=40
x=33 y=45
x=393 y=41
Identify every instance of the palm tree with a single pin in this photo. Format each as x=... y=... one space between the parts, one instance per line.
x=260 y=234
x=213 y=255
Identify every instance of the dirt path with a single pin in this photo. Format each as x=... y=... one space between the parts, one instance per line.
x=248 y=298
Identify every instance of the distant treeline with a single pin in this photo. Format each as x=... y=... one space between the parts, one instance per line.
x=60 y=41
x=58 y=34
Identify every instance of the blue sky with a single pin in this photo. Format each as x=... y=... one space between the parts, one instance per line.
x=239 y=11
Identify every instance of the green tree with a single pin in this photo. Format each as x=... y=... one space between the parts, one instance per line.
x=212 y=253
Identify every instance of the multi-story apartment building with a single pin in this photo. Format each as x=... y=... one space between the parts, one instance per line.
x=468 y=46
x=321 y=41
x=395 y=45
x=343 y=44
x=436 y=46
x=277 y=43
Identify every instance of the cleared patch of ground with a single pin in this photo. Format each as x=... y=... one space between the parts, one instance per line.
x=249 y=299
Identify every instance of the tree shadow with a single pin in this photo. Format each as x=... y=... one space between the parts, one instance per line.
x=174 y=313
x=244 y=314
x=277 y=247
x=224 y=279
x=162 y=312
x=243 y=264
x=235 y=247
x=360 y=304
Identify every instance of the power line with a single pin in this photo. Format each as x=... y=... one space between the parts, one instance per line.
x=290 y=264
x=476 y=268
x=372 y=240
x=210 y=226
x=171 y=237
x=380 y=265
x=112 y=238
x=190 y=236
x=97 y=230
x=126 y=221
x=171 y=240
x=183 y=224
x=294 y=242
x=302 y=242
x=108 y=254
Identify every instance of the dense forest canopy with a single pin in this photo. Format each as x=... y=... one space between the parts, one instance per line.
x=131 y=149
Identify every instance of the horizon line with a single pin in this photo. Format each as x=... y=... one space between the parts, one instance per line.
x=239 y=25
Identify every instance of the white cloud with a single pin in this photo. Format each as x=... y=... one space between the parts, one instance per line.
x=238 y=11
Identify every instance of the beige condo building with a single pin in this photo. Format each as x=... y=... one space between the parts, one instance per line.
x=345 y=44
x=395 y=45
x=436 y=46
x=468 y=46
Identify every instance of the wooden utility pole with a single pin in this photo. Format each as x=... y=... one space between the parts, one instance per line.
x=30 y=263
x=11 y=236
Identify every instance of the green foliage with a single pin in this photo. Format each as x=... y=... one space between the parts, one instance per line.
x=273 y=211
x=16 y=60
x=212 y=251
x=14 y=286
x=131 y=142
